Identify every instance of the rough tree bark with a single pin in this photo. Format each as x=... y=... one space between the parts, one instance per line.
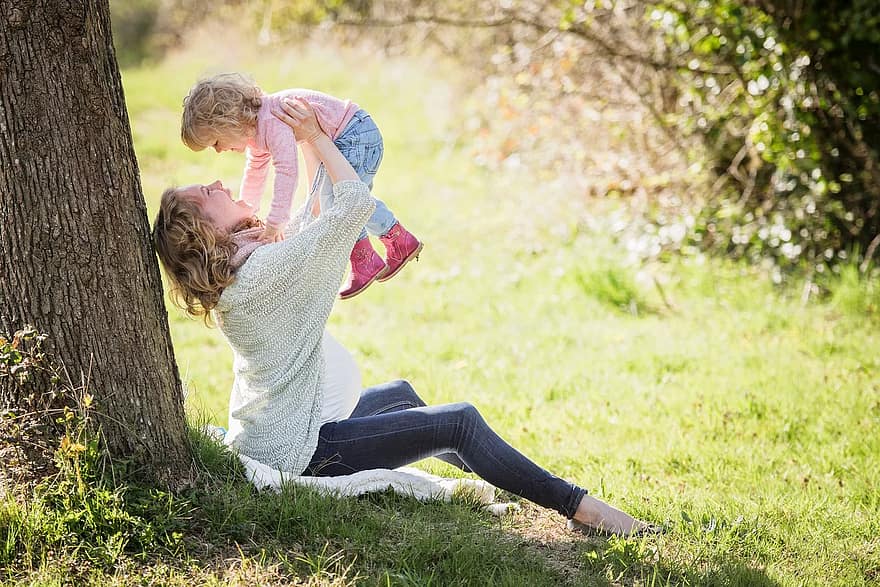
x=75 y=254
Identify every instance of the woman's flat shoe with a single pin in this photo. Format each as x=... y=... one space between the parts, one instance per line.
x=646 y=530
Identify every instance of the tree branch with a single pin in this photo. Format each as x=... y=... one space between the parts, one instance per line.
x=579 y=31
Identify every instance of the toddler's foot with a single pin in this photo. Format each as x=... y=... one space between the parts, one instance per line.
x=366 y=267
x=400 y=247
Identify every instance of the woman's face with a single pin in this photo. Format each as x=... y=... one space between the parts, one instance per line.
x=217 y=204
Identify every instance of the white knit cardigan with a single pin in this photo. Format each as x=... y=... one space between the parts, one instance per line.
x=273 y=316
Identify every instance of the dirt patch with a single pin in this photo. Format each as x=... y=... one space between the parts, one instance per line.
x=544 y=532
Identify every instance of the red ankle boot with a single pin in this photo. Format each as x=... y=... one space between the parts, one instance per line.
x=400 y=248
x=366 y=267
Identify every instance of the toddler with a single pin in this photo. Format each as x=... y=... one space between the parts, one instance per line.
x=228 y=112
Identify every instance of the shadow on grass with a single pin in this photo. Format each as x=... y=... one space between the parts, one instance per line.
x=388 y=539
x=384 y=538
x=641 y=562
x=668 y=559
x=379 y=538
x=83 y=529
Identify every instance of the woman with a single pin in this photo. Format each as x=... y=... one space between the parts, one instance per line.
x=296 y=401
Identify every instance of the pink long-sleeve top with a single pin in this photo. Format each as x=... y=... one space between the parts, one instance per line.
x=275 y=141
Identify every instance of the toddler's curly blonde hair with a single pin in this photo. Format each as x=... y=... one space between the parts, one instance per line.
x=194 y=253
x=223 y=104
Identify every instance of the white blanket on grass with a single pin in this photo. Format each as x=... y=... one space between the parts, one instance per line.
x=404 y=481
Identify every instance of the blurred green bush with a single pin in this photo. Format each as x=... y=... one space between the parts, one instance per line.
x=786 y=99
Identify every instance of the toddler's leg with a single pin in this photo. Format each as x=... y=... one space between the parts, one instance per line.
x=379 y=223
x=401 y=246
x=361 y=143
x=366 y=265
x=382 y=219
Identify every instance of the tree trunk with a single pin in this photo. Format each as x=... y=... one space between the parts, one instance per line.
x=75 y=254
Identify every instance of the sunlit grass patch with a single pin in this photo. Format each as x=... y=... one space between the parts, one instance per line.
x=856 y=293
x=614 y=287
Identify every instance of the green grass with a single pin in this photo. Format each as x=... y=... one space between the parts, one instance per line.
x=725 y=407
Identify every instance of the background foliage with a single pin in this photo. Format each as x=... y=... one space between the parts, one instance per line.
x=786 y=97
x=745 y=127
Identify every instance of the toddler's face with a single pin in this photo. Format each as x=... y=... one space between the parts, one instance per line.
x=230 y=142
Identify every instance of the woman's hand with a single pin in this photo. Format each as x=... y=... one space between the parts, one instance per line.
x=300 y=116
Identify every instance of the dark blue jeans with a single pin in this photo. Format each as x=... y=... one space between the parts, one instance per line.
x=391 y=427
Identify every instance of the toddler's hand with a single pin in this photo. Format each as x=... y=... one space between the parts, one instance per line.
x=271 y=235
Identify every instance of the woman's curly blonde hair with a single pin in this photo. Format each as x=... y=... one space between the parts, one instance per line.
x=217 y=106
x=194 y=253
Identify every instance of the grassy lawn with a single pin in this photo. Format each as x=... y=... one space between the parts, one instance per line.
x=743 y=418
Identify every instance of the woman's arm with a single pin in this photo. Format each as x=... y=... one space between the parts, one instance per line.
x=312 y=163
